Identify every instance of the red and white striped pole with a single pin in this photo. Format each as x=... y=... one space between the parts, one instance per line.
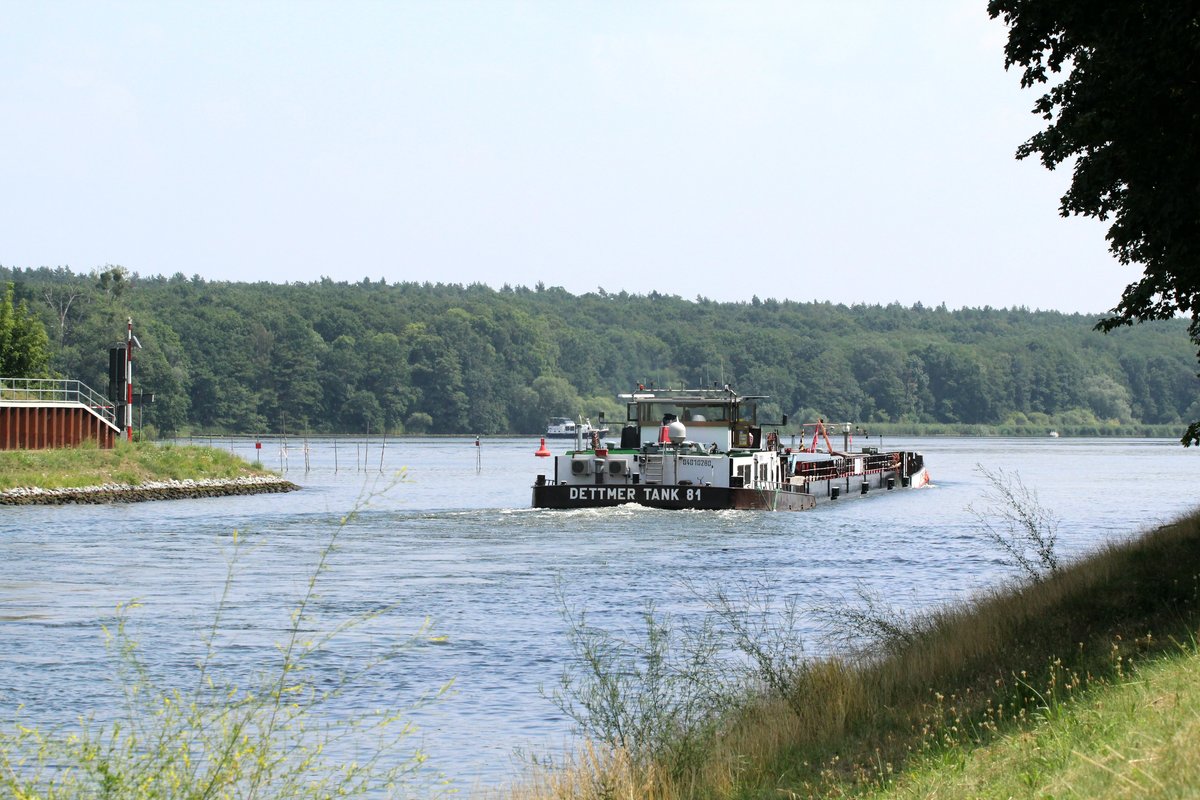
x=129 y=382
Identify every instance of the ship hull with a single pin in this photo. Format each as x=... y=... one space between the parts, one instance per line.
x=857 y=485
x=676 y=498
x=717 y=498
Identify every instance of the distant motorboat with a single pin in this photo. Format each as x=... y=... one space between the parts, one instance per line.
x=567 y=428
x=1053 y=434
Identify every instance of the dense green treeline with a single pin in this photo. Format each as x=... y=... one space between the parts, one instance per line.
x=335 y=356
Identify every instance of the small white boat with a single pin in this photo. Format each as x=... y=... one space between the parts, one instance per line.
x=567 y=428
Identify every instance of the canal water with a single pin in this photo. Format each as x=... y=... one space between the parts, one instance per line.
x=441 y=529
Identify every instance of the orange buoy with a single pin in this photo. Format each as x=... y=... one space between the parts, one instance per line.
x=543 y=451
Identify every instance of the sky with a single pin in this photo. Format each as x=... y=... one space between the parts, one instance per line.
x=859 y=151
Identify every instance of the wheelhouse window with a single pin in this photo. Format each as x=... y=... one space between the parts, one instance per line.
x=698 y=413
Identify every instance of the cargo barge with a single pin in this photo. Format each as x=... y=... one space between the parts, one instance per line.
x=705 y=449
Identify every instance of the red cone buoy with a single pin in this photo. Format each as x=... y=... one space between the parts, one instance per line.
x=543 y=452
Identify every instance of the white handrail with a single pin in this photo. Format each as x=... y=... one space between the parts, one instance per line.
x=56 y=390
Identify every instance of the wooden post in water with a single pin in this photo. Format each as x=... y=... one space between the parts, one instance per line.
x=335 y=464
x=382 y=447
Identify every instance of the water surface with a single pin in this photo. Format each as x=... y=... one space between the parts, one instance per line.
x=453 y=539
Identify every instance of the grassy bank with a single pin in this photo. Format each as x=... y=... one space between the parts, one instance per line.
x=1033 y=689
x=127 y=463
x=1136 y=737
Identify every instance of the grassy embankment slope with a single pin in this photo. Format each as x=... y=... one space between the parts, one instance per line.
x=1135 y=737
x=1083 y=684
x=129 y=464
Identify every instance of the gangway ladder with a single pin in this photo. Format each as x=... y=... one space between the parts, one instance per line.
x=652 y=470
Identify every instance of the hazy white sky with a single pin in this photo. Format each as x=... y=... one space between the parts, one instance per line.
x=806 y=149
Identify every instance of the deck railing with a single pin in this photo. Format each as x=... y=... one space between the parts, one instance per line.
x=54 y=390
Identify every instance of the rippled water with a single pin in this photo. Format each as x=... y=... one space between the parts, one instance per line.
x=455 y=541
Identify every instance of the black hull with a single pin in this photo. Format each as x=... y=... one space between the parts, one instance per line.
x=698 y=498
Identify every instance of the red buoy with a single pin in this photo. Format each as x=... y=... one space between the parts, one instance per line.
x=543 y=452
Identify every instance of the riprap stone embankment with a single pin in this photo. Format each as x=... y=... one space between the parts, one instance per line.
x=151 y=490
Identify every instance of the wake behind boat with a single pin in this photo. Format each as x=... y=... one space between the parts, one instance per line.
x=705 y=449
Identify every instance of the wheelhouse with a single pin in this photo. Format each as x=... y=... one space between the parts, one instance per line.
x=717 y=416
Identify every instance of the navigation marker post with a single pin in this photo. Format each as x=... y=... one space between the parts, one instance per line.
x=131 y=341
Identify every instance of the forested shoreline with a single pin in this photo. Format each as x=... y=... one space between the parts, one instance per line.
x=332 y=356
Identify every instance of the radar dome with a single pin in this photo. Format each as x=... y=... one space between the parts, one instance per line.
x=677 y=431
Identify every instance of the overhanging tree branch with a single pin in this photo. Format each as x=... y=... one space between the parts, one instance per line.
x=1123 y=100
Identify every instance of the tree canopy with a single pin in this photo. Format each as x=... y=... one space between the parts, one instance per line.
x=24 y=346
x=446 y=359
x=1123 y=101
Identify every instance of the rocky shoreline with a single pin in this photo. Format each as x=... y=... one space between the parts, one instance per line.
x=151 y=490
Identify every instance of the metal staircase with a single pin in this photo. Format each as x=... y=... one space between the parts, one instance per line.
x=652 y=470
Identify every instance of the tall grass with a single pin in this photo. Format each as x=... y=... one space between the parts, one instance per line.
x=1015 y=521
x=1132 y=738
x=209 y=737
x=655 y=700
x=954 y=677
